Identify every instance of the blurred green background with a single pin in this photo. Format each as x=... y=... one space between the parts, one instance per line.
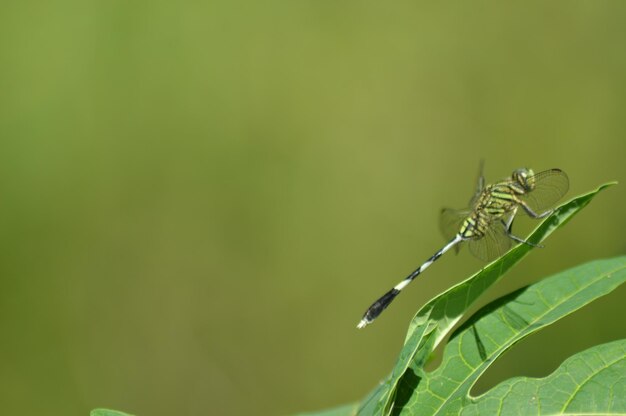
x=198 y=200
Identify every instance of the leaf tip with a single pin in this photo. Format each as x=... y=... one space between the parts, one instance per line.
x=607 y=185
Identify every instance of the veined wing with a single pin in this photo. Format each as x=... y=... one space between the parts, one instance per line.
x=550 y=186
x=480 y=184
x=450 y=221
x=493 y=244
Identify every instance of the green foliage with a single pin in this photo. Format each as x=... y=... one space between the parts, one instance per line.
x=475 y=345
x=497 y=326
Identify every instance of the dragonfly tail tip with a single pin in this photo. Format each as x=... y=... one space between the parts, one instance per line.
x=364 y=322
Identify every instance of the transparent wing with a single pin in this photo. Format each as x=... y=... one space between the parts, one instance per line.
x=493 y=244
x=480 y=184
x=550 y=186
x=450 y=221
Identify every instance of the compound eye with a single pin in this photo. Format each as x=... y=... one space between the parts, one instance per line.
x=523 y=173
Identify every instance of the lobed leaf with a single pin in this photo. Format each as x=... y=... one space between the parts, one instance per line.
x=499 y=325
x=435 y=319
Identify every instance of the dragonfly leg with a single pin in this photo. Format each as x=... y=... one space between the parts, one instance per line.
x=509 y=226
x=532 y=213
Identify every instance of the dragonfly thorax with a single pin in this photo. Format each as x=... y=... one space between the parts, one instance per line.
x=494 y=202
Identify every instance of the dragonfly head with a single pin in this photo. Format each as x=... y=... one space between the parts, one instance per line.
x=524 y=177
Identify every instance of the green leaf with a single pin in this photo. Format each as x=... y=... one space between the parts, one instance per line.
x=497 y=326
x=590 y=382
x=107 y=412
x=435 y=319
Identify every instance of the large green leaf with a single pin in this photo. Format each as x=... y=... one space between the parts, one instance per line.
x=435 y=319
x=497 y=326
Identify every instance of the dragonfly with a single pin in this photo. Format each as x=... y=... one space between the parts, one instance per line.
x=486 y=224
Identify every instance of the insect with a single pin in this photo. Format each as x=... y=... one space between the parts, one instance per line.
x=486 y=225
